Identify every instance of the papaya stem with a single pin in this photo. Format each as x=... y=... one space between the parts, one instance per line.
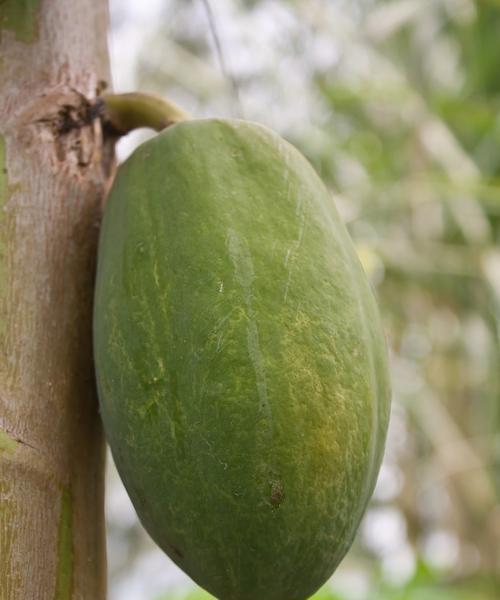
x=124 y=112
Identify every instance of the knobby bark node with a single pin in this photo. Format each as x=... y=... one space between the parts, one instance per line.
x=71 y=125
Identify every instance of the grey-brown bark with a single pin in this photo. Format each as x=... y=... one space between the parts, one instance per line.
x=53 y=54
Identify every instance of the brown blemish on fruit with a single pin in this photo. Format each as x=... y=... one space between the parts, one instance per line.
x=277 y=493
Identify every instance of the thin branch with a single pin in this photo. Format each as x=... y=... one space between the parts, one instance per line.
x=220 y=54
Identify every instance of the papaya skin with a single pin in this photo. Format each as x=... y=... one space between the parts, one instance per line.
x=240 y=361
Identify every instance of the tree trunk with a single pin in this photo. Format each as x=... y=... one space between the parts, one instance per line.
x=54 y=169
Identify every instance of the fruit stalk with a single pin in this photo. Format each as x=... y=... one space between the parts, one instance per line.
x=124 y=112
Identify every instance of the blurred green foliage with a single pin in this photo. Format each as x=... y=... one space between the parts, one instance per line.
x=424 y=585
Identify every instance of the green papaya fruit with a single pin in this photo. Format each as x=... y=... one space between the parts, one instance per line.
x=240 y=361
